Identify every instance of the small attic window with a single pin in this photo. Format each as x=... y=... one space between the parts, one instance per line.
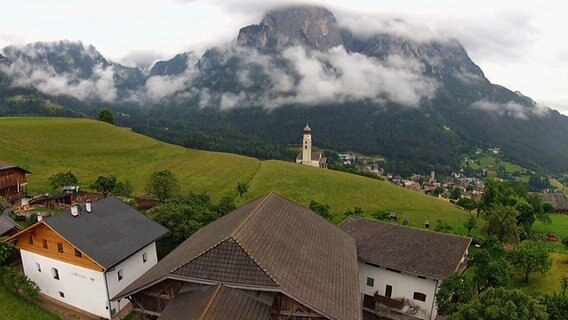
x=60 y=247
x=30 y=238
x=120 y=276
x=78 y=253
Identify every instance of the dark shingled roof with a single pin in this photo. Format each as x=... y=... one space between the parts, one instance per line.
x=7 y=224
x=304 y=255
x=215 y=303
x=111 y=233
x=558 y=200
x=422 y=252
x=6 y=165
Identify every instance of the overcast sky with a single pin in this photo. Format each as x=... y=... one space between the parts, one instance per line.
x=519 y=44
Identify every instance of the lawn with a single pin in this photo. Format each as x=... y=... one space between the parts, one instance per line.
x=550 y=282
x=342 y=191
x=89 y=148
x=14 y=307
x=559 y=226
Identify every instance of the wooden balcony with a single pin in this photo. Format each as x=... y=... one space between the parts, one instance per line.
x=390 y=302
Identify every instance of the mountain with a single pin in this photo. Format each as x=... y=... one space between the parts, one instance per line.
x=420 y=104
x=312 y=27
x=71 y=68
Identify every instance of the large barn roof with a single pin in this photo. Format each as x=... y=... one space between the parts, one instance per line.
x=422 y=252
x=271 y=243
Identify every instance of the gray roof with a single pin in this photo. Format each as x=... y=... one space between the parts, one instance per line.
x=7 y=224
x=215 y=303
x=111 y=233
x=422 y=252
x=558 y=200
x=7 y=165
x=271 y=243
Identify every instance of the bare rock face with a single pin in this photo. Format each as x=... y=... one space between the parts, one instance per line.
x=309 y=26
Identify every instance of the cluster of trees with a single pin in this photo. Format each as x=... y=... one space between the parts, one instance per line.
x=481 y=293
x=107 y=185
x=509 y=212
x=185 y=214
x=10 y=277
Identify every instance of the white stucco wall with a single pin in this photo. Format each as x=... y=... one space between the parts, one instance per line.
x=132 y=268
x=403 y=286
x=83 y=288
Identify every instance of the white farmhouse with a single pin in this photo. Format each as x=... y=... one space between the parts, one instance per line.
x=307 y=156
x=401 y=268
x=85 y=257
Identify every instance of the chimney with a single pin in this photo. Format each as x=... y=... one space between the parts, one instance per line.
x=88 y=206
x=427 y=224
x=74 y=210
x=39 y=217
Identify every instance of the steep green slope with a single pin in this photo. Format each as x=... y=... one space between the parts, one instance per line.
x=344 y=191
x=91 y=148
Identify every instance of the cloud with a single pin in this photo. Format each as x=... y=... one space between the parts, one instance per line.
x=511 y=109
x=44 y=78
x=142 y=59
x=160 y=87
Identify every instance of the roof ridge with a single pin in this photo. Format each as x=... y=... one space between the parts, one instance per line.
x=250 y=215
x=256 y=262
x=210 y=302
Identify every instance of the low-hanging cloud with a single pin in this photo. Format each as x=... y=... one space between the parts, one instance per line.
x=297 y=76
x=511 y=109
x=45 y=79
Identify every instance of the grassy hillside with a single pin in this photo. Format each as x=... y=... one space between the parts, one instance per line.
x=89 y=148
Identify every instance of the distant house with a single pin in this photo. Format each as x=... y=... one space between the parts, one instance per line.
x=558 y=200
x=85 y=257
x=7 y=226
x=307 y=156
x=401 y=268
x=13 y=179
x=269 y=259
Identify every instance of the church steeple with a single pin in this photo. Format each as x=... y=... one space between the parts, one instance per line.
x=307 y=145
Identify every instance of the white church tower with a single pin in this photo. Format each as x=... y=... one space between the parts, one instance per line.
x=307 y=157
x=307 y=149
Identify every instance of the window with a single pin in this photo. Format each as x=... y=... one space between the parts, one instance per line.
x=30 y=238
x=419 y=296
x=370 y=282
x=119 y=274
x=61 y=294
x=44 y=243
x=60 y=247
x=55 y=273
x=78 y=253
x=38 y=267
x=144 y=257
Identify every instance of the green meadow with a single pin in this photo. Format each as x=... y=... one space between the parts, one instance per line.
x=90 y=148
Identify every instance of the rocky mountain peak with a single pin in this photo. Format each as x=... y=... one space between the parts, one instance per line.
x=310 y=26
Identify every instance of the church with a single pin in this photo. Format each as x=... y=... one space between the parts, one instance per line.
x=307 y=156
